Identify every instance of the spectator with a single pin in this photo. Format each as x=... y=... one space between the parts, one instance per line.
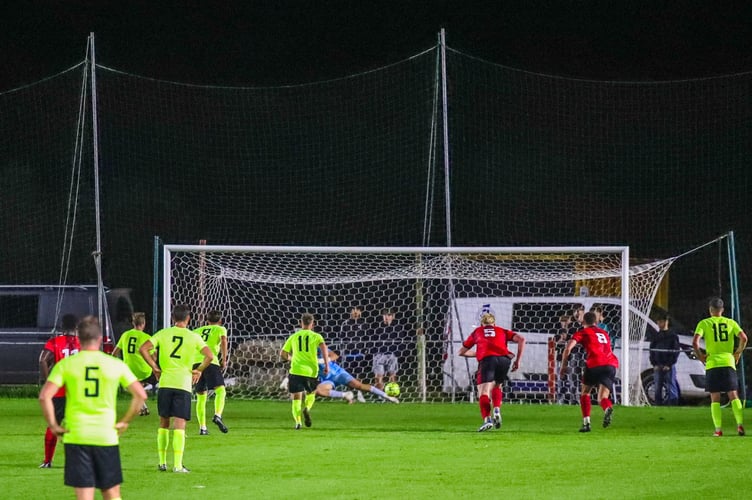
x=566 y=387
x=388 y=341
x=352 y=333
x=664 y=353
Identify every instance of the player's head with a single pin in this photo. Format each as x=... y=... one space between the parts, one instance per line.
x=715 y=305
x=588 y=319
x=306 y=320
x=579 y=310
x=214 y=316
x=598 y=310
x=181 y=313
x=387 y=311
x=662 y=319
x=565 y=319
x=138 y=319
x=68 y=323
x=487 y=319
x=89 y=331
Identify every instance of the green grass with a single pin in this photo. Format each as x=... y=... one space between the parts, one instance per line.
x=414 y=451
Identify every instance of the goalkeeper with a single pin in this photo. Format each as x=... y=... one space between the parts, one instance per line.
x=338 y=376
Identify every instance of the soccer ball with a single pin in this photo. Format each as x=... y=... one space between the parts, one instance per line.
x=392 y=389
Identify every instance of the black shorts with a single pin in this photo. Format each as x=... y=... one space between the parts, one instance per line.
x=151 y=379
x=299 y=383
x=59 y=405
x=174 y=403
x=721 y=379
x=493 y=369
x=600 y=375
x=210 y=378
x=92 y=466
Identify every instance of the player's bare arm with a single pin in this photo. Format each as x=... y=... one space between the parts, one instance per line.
x=696 y=349
x=466 y=352
x=144 y=351
x=208 y=358
x=742 y=345
x=138 y=396
x=565 y=357
x=48 y=409
x=46 y=360
x=520 y=340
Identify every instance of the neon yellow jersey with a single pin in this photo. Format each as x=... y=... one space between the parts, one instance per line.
x=212 y=335
x=303 y=345
x=129 y=343
x=719 y=334
x=178 y=348
x=91 y=380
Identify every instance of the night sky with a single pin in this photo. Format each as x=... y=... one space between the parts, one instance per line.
x=280 y=42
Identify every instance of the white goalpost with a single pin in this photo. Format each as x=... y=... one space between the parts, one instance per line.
x=437 y=294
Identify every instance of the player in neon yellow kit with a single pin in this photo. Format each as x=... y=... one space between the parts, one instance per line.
x=178 y=347
x=127 y=347
x=720 y=360
x=215 y=336
x=92 y=380
x=301 y=350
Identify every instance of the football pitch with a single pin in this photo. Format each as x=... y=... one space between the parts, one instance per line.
x=414 y=451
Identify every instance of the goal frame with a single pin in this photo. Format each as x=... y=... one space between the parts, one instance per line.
x=622 y=251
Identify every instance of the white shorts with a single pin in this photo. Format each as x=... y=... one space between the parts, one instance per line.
x=385 y=363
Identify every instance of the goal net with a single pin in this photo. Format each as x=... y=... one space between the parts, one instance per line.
x=437 y=295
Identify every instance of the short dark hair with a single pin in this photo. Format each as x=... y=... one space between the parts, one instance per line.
x=214 y=316
x=89 y=329
x=68 y=322
x=388 y=310
x=662 y=316
x=589 y=318
x=181 y=312
x=716 y=303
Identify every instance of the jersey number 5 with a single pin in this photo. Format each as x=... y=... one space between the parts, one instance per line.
x=91 y=391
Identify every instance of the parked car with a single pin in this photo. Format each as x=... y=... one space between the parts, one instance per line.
x=29 y=316
x=537 y=319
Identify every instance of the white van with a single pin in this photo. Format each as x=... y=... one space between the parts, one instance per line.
x=537 y=319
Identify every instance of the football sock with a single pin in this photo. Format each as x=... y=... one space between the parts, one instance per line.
x=736 y=407
x=50 y=441
x=178 y=447
x=220 y=395
x=585 y=405
x=309 y=400
x=163 y=440
x=378 y=392
x=336 y=394
x=297 y=405
x=496 y=397
x=485 y=406
x=606 y=404
x=201 y=409
x=715 y=413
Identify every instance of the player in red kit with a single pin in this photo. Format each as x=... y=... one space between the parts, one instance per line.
x=57 y=348
x=600 y=368
x=494 y=359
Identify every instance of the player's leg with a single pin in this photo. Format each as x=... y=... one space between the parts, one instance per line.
x=484 y=402
x=503 y=364
x=362 y=386
x=378 y=371
x=85 y=493
x=201 y=412
x=326 y=390
x=296 y=387
x=164 y=408
x=145 y=408
x=111 y=493
x=310 y=398
x=178 y=442
x=715 y=413
x=50 y=439
x=738 y=410
x=585 y=406
x=716 y=380
x=606 y=375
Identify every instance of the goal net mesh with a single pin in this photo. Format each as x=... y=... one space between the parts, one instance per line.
x=437 y=296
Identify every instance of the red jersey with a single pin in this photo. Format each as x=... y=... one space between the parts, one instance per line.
x=597 y=346
x=490 y=340
x=62 y=346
